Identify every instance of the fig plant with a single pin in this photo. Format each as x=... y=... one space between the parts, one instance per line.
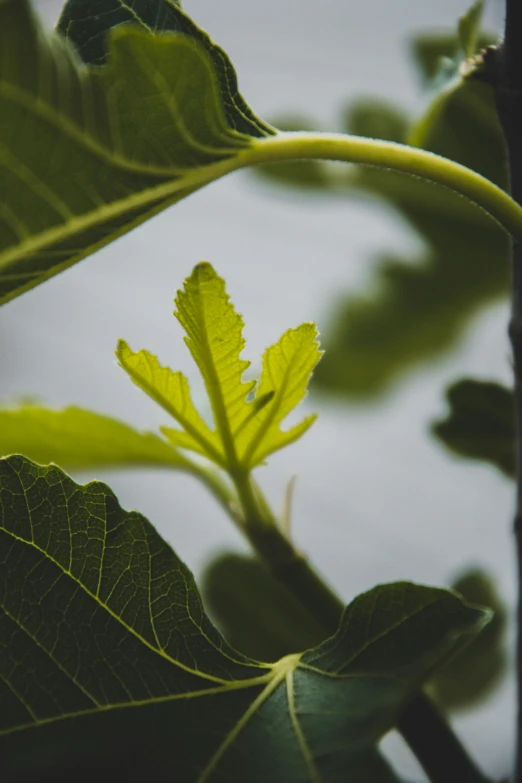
x=108 y=660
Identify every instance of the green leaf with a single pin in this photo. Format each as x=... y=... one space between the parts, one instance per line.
x=171 y=390
x=475 y=672
x=214 y=337
x=286 y=371
x=87 y=24
x=480 y=424
x=77 y=438
x=108 y=660
x=469 y=29
x=99 y=169
x=255 y=613
x=247 y=415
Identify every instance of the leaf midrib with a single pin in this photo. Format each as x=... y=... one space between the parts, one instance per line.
x=128 y=628
x=63 y=123
x=274 y=407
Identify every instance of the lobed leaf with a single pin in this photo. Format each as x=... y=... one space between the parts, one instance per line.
x=77 y=438
x=108 y=661
x=214 y=336
x=480 y=424
x=286 y=371
x=171 y=390
x=116 y=143
x=247 y=422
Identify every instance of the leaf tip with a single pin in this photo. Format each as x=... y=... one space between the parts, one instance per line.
x=122 y=349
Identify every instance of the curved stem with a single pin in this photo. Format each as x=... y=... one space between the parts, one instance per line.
x=386 y=154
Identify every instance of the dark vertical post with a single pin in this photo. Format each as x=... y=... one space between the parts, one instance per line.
x=504 y=69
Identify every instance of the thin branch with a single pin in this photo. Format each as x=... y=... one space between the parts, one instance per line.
x=424 y=729
x=435 y=745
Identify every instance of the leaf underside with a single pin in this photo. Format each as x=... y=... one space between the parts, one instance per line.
x=87 y=152
x=108 y=661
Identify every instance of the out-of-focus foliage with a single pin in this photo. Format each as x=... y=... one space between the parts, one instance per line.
x=415 y=308
x=474 y=673
x=255 y=613
x=480 y=424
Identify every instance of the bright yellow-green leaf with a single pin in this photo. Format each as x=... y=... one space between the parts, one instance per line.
x=77 y=438
x=247 y=415
x=287 y=368
x=171 y=390
x=215 y=340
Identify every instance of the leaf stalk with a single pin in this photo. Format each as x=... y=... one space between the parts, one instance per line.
x=417 y=162
x=504 y=69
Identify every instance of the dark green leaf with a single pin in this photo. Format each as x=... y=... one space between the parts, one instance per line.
x=87 y=24
x=80 y=166
x=255 y=613
x=108 y=661
x=473 y=674
x=376 y=119
x=480 y=424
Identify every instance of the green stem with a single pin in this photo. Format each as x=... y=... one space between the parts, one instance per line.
x=285 y=147
x=219 y=489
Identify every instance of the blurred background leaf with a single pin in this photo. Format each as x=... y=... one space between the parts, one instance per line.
x=256 y=614
x=480 y=424
x=475 y=672
x=416 y=308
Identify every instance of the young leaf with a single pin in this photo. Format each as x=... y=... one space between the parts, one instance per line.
x=248 y=429
x=171 y=390
x=77 y=438
x=286 y=372
x=108 y=661
x=480 y=424
x=134 y=135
